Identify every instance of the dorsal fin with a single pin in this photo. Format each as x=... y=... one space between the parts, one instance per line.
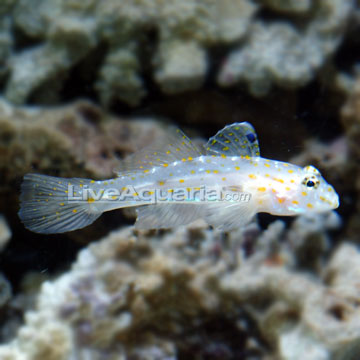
x=176 y=146
x=238 y=139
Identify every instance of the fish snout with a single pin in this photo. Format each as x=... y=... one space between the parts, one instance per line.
x=330 y=198
x=336 y=200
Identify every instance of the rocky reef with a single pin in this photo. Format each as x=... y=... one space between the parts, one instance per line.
x=111 y=44
x=286 y=54
x=67 y=32
x=187 y=293
x=84 y=83
x=60 y=140
x=145 y=294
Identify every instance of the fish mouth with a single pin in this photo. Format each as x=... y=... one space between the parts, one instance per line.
x=333 y=201
x=328 y=201
x=336 y=202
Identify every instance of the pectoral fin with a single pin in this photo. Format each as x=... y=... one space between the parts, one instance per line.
x=228 y=216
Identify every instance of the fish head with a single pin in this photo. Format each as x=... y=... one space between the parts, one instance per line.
x=314 y=194
x=304 y=190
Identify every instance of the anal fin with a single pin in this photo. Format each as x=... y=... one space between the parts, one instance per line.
x=163 y=216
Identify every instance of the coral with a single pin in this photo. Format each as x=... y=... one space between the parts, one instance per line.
x=331 y=313
x=288 y=292
x=284 y=54
x=73 y=140
x=5 y=233
x=181 y=66
x=119 y=42
x=70 y=30
x=141 y=294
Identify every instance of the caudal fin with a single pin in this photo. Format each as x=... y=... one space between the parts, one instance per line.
x=45 y=207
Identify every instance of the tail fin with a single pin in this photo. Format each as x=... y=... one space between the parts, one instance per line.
x=45 y=207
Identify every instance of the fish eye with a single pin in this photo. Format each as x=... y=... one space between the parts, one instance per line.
x=311 y=182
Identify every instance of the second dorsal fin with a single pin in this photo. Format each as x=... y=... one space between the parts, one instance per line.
x=238 y=139
x=176 y=146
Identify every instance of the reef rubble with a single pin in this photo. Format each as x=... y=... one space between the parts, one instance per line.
x=141 y=293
